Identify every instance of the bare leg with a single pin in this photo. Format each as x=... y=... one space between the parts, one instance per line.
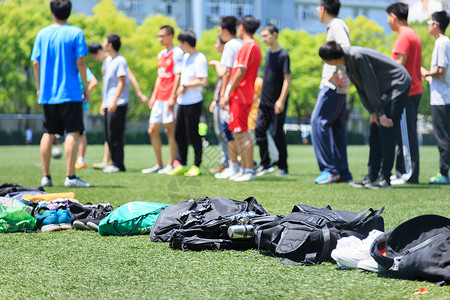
x=153 y=131
x=232 y=151
x=169 y=129
x=245 y=149
x=70 y=151
x=106 y=153
x=82 y=145
x=46 y=152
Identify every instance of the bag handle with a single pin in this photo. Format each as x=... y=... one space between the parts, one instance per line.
x=134 y=227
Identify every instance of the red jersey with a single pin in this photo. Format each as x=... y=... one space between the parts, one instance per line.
x=167 y=68
x=408 y=43
x=249 y=56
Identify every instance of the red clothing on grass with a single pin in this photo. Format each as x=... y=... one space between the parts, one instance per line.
x=408 y=43
x=241 y=98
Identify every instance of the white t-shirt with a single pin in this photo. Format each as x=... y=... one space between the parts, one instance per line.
x=230 y=51
x=339 y=33
x=192 y=67
x=114 y=69
x=440 y=86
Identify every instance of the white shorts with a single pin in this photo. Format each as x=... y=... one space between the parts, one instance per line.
x=160 y=113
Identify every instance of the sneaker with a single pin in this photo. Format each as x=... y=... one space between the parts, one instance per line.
x=178 y=170
x=227 y=173
x=398 y=181
x=345 y=177
x=64 y=219
x=245 y=177
x=359 y=251
x=439 y=179
x=79 y=224
x=80 y=165
x=265 y=170
x=368 y=265
x=153 y=169
x=282 y=172
x=326 y=177
x=76 y=182
x=111 y=169
x=361 y=183
x=236 y=175
x=94 y=218
x=258 y=168
x=193 y=171
x=165 y=170
x=393 y=177
x=101 y=165
x=217 y=169
x=48 y=221
x=379 y=183
x=45 y=181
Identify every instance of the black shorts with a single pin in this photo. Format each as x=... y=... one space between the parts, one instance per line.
x=58 y=118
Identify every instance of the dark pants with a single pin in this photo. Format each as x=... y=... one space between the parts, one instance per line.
x=441 y=131
x=266 y=117
x=186 y=130
x=328 y=136
x=115 y=134
x=382 y=140
x=407 y=158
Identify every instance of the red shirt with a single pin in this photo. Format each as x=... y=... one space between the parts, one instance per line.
x=408 y=43
x=249 y=57
x=166 y=74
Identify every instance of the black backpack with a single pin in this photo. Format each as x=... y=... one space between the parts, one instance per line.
x=309 y=234
x=192 y=212
x=225 y=233
x=418 y=249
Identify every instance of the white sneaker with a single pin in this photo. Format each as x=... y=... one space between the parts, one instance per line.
x=393 y=177
x=227 y=173
x=46 y=182
x=153 y=169
x=111 y=169
x=398 y=181
x=368 y=265
x=238 y=174
x=360 y=251
x=245 y=177
x=76 y=182
x=264 y=171
x=164 y=170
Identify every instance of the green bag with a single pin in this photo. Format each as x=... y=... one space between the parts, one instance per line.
x=13 y=219
x=131 y=219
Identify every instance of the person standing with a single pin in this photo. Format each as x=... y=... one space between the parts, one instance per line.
x=383 y=88
x=194 y=76
x=58 y=56
x=439 y=79
x=115 y=93
x=407 y=51
x=273 y=103
x=328 y=134
x=163 y=100
x=240 y=94
x=82 y=142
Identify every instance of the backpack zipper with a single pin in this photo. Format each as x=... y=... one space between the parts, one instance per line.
x=424 y=243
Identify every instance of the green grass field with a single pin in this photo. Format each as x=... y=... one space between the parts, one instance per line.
x=84 y=265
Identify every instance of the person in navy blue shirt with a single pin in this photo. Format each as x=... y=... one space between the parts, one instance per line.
x=58 y=57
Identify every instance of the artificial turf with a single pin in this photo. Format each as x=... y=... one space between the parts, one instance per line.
x=84 y=265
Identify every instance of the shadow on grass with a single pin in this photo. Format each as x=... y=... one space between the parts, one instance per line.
x=419 y=186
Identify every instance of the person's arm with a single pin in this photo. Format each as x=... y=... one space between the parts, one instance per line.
x=281 y=102
x=199 y=81
x=37 y=76
x=136 y=87
x=401 y=59
x=369 y=85
x=219 y=68
x=120 y=88
x=92 y=84
x=82 y=66
x=173 y=94
x=239 y=75
x=435 y=72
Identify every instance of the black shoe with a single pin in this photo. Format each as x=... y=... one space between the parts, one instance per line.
x=93 y=219
x=361 y=183
x=345 y=177
x=380 y=183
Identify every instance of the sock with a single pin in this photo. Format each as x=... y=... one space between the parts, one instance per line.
x=249 y=171
x=80 y=159
x=72 y=177
x=444 y=173
x=234 y=166
x=48 y=177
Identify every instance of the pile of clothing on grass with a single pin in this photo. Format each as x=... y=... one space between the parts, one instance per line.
x=418 y=248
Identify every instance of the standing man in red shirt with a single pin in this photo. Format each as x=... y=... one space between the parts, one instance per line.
x=407 y=51
x=163 y=100
x=240 y=94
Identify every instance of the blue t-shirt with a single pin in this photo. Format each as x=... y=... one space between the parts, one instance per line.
x=57 y=48
x=89 y=76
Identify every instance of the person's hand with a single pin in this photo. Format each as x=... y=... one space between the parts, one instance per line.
x=337 y=81
x=143 y=99
x=150 y=104
x=87 y=96
x=374 y=119
x=386 y=122
x=212 y=106
x=37 y=94
x=213 y=62
x=102 y=110
x=181 y=90
x=112 y=107
x=423 y=71
x=171 y=105
x=279 y=107
x=224 y=101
